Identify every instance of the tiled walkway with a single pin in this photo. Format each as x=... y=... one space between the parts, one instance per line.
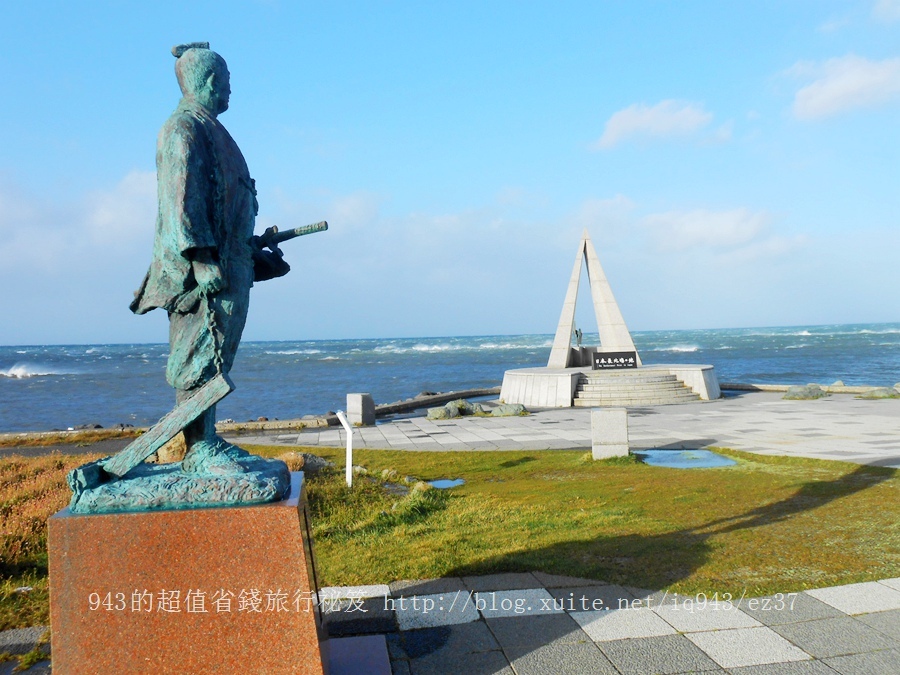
x=838 y=427
x=543 y=624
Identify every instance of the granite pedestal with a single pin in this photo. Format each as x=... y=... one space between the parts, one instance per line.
x=207 y=590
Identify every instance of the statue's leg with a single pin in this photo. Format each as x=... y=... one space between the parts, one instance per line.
x=206 y=452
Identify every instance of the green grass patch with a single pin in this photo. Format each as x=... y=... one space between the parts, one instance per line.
x=765 y=525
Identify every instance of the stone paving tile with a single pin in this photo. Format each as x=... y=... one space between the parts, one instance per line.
x=874 y=663
x=870 y=596
x=400 y=668
x=427 y=586
x=585 y=598
x=562 y=581
x=789 y=668
x=619 y=624
x=466 y=638
x=20 y=640
x=39 y=668
x=428 y=611
x=518 y=602
x=519 y=631
x=501 y=582
x=893 y=583
x=887 y=623
x=369 y=616
x=560 y=659
x=373 y=591
x=746 y=647
x=483 y=663
x=772 y=611
x=835 y=637
x=665 y=654
x=644 y=597
x=710 y=618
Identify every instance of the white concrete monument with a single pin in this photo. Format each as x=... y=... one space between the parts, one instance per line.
x=614 y=335
x=610 y=374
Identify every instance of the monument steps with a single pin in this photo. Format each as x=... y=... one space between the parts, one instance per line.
x=630 y=388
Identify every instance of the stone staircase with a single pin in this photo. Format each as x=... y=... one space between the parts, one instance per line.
x=630 y=387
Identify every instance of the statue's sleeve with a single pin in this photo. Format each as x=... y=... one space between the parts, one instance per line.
x=185 y=166
x=187 y=187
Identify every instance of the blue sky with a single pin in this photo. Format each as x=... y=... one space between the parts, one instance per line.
x=734 y=162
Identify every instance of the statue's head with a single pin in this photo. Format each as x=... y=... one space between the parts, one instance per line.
x=203 y=76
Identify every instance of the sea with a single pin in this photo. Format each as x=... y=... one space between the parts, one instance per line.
x=64 y=386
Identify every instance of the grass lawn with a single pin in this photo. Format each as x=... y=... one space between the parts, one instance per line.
x=766 y=525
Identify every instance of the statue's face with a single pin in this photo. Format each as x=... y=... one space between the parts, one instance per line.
x=222 y=85
x=216 y=91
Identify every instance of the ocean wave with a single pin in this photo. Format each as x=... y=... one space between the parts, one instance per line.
x=802 y=333
x=676 y=348
x=512 y=345
x=330 y=358
x=294 y=352
x=24 y=370
x=800 y=346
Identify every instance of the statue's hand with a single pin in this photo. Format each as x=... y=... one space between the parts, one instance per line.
x=268 y=265
x=210 y=279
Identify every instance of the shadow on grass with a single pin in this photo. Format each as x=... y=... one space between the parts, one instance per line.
x=659 y=561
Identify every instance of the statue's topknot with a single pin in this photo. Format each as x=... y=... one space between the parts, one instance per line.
x=178 y=50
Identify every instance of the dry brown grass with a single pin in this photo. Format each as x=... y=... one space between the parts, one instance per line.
x=31 y=490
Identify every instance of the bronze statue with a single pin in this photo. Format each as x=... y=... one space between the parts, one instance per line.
x=205 y=260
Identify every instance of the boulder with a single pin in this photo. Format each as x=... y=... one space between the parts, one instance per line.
x=509 y=410
x=461 y=406
x=809 y=392
x=439 y=413
x=880 y=392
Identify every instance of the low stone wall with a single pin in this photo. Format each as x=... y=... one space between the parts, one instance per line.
x=540 y=387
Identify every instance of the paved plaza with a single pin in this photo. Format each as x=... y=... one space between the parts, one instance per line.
x=542 y=624
x=838 y=427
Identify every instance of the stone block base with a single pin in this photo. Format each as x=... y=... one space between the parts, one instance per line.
x=215 y=590
x=609 y=432
x=360 y=409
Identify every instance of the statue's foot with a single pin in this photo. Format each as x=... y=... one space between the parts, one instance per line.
x=213 y=457
x=230 y=450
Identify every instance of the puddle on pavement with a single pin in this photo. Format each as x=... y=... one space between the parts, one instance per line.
x=684 y=459
x=444 y=483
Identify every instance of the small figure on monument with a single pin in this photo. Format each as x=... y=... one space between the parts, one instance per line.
x=205 y=260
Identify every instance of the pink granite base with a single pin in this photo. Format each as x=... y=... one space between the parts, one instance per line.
x=214 y=590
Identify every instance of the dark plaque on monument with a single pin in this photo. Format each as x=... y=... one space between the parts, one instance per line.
x=613 y=360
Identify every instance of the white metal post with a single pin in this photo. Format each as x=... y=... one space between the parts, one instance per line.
x=344 y=423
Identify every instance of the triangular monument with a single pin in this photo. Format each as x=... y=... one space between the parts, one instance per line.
x=614 y=335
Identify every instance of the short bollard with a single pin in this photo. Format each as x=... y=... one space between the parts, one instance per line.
x=609 y=432
x=360 y=410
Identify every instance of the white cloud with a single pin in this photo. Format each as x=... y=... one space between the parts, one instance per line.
x=123 y=213
x=682 y=230
x=887 y=10
x=57 y=238
x=845 y=83
x=667 y=119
